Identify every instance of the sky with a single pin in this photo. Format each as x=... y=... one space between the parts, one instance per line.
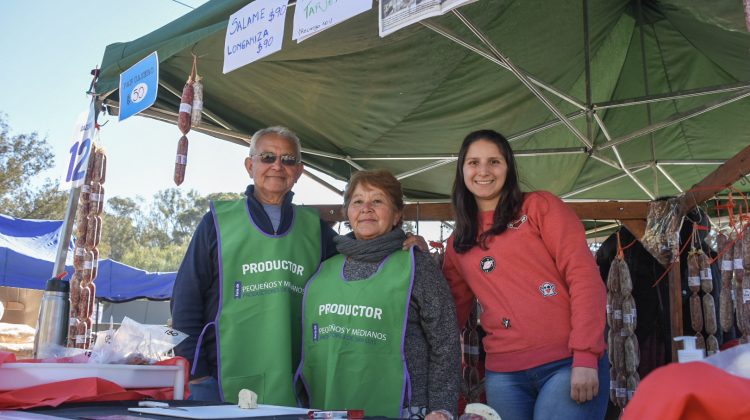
x=47 y=51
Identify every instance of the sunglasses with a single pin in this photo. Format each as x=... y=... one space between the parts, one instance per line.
x=270 y=157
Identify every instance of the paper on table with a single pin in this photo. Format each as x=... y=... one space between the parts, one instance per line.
x=223 y=411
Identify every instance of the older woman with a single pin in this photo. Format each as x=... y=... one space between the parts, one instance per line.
x=379 y=325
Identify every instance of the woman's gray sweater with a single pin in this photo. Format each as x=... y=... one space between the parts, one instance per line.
x=431 y=346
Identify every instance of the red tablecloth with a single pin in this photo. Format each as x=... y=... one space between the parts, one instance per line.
x=689 y=391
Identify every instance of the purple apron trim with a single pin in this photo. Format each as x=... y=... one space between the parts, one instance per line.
x=380 y=267
x=407 y=378
x=291 y=225
x=198 y=346
x=221 y=299
x=298 y=375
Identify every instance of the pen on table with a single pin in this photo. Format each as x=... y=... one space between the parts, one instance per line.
x=336 y=414
x=157 y=404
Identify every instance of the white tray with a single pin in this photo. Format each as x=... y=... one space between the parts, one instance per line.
x=23 y=375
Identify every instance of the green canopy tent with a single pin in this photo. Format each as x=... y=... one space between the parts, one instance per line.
x=602 y=99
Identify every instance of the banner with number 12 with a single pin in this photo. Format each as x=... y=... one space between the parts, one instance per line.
x=80 y=150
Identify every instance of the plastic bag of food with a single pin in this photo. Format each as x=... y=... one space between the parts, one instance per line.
x=663 y=224
x=735 y=360
x=135 y=344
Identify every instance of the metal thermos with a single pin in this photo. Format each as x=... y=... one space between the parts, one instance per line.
x=52 y=327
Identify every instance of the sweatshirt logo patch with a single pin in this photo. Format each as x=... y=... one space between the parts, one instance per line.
x=517 y=223
x=548 y=289
x=487 y=264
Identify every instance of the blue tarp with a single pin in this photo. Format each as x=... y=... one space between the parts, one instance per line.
x=27 y=255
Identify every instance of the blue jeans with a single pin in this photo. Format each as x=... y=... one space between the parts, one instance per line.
x=543 y=393
x=206 y=390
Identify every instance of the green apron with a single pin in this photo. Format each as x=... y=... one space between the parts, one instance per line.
x=353 y=337
x=262 y=282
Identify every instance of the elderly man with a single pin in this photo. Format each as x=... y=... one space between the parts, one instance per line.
x=238 y=291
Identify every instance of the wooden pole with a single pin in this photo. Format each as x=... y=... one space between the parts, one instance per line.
x=436 y=212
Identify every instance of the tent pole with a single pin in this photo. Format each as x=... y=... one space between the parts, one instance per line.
x=522 y=77
x=205 y=112
x=619 y=158
x=424 y=168
x=601 y=228
x=606 y=161
x=322 y=182
x=571 y=100
x=66 y=231
x=633 y=177
x=690 y=162
x=544 y=126
x=587 y=70
x=676 y=119
x=691 y=93
x=669 y=178
x=600 y=183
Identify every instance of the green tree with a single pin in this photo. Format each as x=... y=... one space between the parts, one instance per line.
x=120 y=228
x=23 y=157
x=162 y=259
x=154 y=237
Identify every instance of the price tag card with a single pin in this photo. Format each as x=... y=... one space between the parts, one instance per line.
x=253 y=32
x=80 y=151
x=138 y=86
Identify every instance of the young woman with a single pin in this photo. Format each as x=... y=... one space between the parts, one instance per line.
x=525 y=257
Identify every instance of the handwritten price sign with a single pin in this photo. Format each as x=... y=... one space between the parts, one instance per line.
x=253 y=32
x=314 y=16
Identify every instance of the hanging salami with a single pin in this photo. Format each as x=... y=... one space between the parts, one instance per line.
x=632 y=383
x=83 y=302
x=197 y=111
x=184 y=117
x=72 y=331
x=81 y=334
x=738 y=286
x=726 y=311
x=94 y=264
x=180 y=160
x=99 y=166
x=94 y=234
x=96 y=198
x=622 y=343
x=86 y=254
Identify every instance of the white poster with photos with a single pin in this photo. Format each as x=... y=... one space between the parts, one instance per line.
x=396 y=14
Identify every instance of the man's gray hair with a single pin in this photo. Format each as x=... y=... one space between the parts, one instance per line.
x=279 y=131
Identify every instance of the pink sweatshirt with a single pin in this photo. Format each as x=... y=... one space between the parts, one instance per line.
x=540 y=290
